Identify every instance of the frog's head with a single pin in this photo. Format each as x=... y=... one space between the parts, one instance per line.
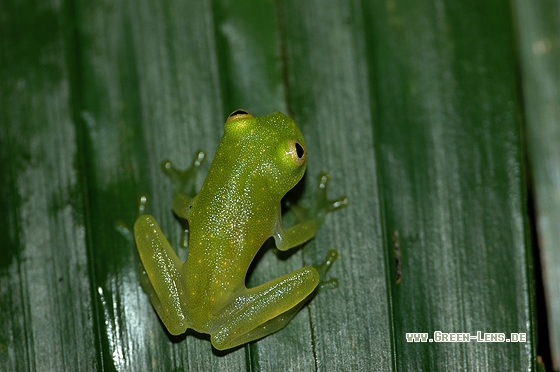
x=270 y=147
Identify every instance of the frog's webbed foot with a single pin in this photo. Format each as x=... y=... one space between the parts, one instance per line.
x=323 y=267
x=310 y=216
x=321 y=205
x=184 y=184
x=184 y=181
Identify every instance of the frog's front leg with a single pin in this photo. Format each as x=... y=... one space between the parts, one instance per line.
x=166 y=287
x=265 y=309
x=312 y=219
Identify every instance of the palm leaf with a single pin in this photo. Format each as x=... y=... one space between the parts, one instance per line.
x=412 y=107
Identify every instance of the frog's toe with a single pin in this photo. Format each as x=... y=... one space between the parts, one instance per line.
x=171 y=172
x=168 y=167
x=323 y=180
x=121 y=226
x=199 y=158
x=337 y=204
x=329 y=284
x=184 y=180
x=174 y=173
x=321 y=199
x=142 y=204
x=324 y=267
x=195 y=165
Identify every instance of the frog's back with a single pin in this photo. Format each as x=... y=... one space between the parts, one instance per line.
x=224 y=239
x=237 y=207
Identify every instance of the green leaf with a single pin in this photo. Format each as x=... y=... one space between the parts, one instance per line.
x=448 y=142
x=411 y=106
x=539 y=41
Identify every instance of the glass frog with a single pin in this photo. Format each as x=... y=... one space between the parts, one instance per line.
x=258 y=160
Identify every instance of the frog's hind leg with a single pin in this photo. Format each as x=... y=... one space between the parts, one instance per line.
x=265 y=309
x=272 y=325
x=162 y=280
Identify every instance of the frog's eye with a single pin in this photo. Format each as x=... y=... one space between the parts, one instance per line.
x=296 y=152
x=239 y=114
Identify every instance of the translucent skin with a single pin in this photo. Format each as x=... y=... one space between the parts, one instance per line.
x=237 y=209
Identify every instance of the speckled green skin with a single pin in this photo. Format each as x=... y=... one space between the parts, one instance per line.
x=257 y=161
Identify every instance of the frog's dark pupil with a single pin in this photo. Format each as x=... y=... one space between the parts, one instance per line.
x=299 y=150
x=238 y=112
